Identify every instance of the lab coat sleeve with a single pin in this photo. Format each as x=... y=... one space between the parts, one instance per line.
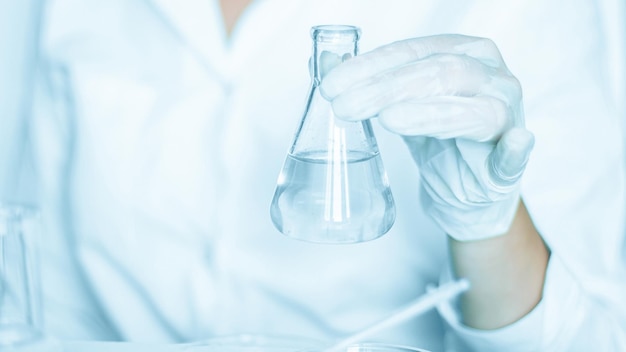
x=567 y=319
x=70 y=311
x=18 y=33
x=573 y=187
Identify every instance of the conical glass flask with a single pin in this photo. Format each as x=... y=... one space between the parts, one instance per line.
x=333 y=187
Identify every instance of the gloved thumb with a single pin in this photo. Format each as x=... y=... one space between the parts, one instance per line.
x=508 y=159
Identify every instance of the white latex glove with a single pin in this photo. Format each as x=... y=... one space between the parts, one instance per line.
x=459 y=110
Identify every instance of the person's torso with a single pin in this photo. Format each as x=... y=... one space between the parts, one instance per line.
x=179 y=135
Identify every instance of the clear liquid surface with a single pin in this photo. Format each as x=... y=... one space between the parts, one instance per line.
x=319 y=199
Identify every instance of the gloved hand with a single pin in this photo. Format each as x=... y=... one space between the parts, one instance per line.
x=459 y=110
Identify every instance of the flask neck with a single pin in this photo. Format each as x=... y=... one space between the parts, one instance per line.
x=331 y=46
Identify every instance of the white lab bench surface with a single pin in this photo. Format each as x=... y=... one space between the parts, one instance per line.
x=93 y=346
x=243 y=342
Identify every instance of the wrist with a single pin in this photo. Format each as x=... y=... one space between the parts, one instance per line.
x=506 y=273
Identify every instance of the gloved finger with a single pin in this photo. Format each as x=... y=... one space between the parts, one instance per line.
x=403 y=52
x=445 y=74
x=480 y=118
x=328 y=60
x=508 y=160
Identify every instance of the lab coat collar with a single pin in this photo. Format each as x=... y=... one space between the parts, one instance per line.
x=199 y=24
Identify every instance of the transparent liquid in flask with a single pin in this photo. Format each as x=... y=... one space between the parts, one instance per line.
x=333 y=187
x=321 y=202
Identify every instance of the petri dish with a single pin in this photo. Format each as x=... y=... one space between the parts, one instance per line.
x=254 y=343
x=372 y=347
x=268 y=343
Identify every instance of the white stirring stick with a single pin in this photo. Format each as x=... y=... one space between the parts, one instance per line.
x=422 y=304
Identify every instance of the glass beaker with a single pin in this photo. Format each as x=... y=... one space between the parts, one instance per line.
x=20 y=311
x=333 y=187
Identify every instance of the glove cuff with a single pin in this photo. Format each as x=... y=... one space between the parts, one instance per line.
x=476 y=223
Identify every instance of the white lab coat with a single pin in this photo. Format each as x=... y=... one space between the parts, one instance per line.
x=158 y=142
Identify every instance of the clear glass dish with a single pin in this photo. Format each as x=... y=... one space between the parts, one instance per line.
x=267 y=343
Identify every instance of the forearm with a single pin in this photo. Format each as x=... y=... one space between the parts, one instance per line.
x=506 y=273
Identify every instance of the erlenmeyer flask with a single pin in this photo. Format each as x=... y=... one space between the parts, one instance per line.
x=332 y=187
